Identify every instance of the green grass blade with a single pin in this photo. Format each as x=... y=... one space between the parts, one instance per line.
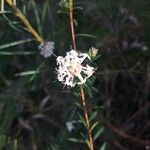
x=15 y=43
x=16 y=53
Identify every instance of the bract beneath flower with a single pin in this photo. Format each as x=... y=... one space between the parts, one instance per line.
x=70 y=69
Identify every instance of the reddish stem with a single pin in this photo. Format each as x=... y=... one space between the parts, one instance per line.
x=72 y=28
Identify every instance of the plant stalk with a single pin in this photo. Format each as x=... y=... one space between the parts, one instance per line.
x=86 y=118
x=72 y=24
x=83 y=101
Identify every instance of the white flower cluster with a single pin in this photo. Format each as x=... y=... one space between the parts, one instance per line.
x=70 y=126
x=71 y=70
x=46 y=48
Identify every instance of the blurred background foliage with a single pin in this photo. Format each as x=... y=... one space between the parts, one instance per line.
x=34 y=107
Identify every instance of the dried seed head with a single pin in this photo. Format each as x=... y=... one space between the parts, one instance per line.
x=46 y=49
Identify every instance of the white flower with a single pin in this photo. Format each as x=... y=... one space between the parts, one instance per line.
x=70 y=69
x=46 y=48
x=69 y=126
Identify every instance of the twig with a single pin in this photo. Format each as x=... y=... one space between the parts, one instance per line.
x=130 y=138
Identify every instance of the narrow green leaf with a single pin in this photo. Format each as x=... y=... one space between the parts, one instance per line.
x=2 y=141
x=5 y=12
x=77 y=121
x=76 y=140
x=99 y=107
x=82 y=120
x=15 y=43
x=16 y=53
x=38 y=70
x=15 y=144
x=94 y=114
x=6 y=116
x=37 y=17
x=88 y=143
x=94 y=89
x=94 y=125
x=86 y=35
x=44 y=12
x=89 y=91
x=75 y=22
x=103 y=147
x=99 y=132
x=11 y=24
x=26 y=73
x=78 y=8
x=77 y=104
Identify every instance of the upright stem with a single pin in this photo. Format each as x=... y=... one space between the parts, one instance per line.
x=72 y=24
x=25 y=21
x=86 y=119
x=83 y=101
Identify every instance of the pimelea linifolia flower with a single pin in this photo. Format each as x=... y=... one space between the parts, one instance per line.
x=71 y=70
x=46 y=48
